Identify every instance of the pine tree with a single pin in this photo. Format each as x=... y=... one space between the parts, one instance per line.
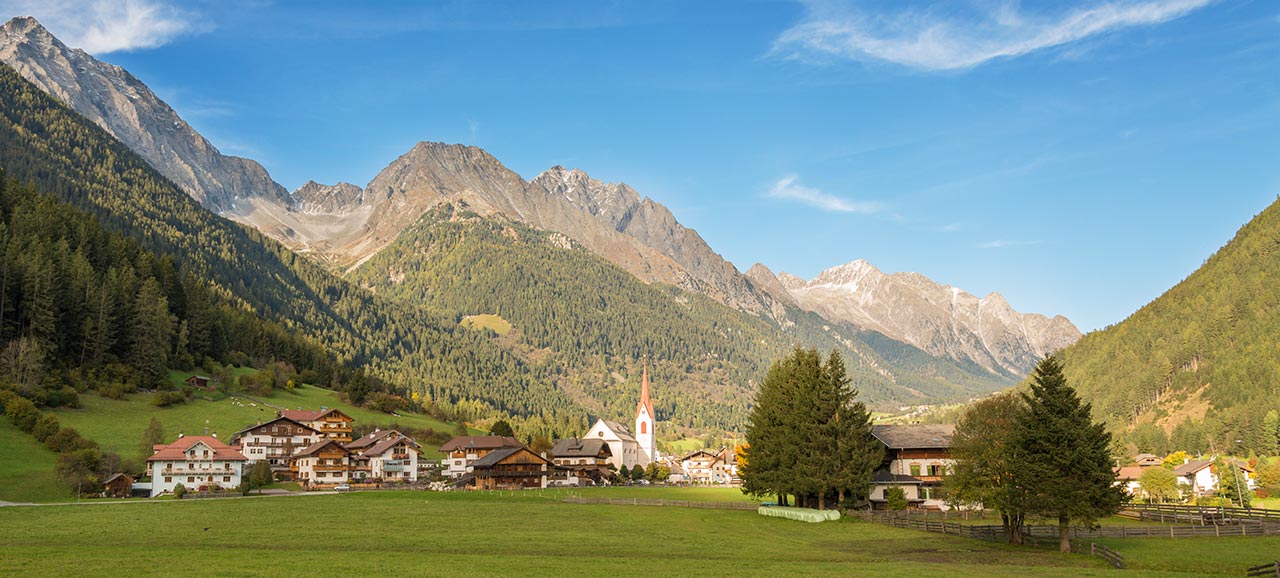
x=152 y=329
x=152 y=436
x=1062 y=457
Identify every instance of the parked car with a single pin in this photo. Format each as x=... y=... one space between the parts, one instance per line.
x=342 y=488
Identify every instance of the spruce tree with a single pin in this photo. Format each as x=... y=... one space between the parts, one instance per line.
x=1062 y=457
x=152 y=329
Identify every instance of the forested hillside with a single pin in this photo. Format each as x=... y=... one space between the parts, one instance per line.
x=584 y=319
x=58 y=152
x=1202 y=361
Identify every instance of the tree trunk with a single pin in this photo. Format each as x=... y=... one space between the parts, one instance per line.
x=1064 y=533
x=822 y=501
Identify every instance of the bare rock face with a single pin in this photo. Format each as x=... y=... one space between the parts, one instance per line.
x=315 y=198
x=939 y=319
x=124 y=106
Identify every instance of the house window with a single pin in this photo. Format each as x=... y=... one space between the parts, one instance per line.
x=915 y=469
x=168 y=479
x=190 y=479
x=226 y=478
x=924 y=493
x=644 y=427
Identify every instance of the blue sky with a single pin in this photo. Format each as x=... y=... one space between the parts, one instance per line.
x=1078 y=157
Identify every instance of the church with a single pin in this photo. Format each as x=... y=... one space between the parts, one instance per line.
x=629 y=448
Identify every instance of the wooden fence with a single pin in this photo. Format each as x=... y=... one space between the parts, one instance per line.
x=1204 y=515
x=655 y=502
x=1272 y=569
x=993 y=532
x=1111 y=556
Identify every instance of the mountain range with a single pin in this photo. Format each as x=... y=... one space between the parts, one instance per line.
x=912 y=340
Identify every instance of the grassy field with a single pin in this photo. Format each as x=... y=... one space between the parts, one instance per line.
x=117 y=425
x=531 y=534
x=487 y=321
x=26 y=468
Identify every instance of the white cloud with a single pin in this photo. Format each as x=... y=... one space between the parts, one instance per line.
x=937 y=39
x=102 y=26
x=788 y=188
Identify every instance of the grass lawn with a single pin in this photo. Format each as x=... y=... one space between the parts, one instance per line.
x=1268 y=503
x=117 y=425
x=525 y=534
x=487 y=321
x=26 y=468
x=692 y=494
x=683 y=446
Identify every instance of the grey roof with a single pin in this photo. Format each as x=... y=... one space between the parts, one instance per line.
x=580 y=448
x=619 y=430
x=915 y=436
x=1191 y=467
x=480 y=443
x=495 y=456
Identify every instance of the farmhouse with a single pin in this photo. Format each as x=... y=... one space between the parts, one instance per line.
x=508 y=469
x=461 y=452
x=698 y=465
x=1130 y=478
x=324 y=463
x=275 y=441
x=331 y=423
x=628 y=449
x=385 y=455
x=118 y=486
x=916 y=459
x=1203 y=480
x=582 y=459
x=200 y=381
x=196 y=462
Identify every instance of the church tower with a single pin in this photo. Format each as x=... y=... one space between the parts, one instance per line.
x=645 y=436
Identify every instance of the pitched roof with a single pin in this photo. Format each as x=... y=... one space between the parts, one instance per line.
x=481 y=443
x=308 y=415
x=619 y=430
x=645 y=404
x=1129 y=472
x=278 y=418
x=915 y=436
x=386 y=444
x=692 y=454
x=1192 y=467
x=371 y=439
x=177 y=450
x=580 y=448
x=492 y=458
x=116 y=476
x=315 y=447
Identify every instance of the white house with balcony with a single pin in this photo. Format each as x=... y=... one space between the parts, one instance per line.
x=197 y=462
x=386 y=455
x=275 y=441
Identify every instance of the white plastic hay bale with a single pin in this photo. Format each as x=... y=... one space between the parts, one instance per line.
x=801 y=514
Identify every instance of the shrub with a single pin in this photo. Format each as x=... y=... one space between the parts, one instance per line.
x=46 y=426
x=22 y=413
x=895 y=498
x=179 y=491
x=68 y=439
x=168 y=398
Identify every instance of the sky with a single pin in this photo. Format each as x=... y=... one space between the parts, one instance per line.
x=1080 y=158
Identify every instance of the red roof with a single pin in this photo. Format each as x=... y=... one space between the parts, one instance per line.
x=177 y=451
x=645 y=403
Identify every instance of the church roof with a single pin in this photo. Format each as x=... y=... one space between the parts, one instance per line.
x=645 y=403
x=619 y=430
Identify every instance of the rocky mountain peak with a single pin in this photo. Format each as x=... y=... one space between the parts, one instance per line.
x=317 y=198
x=124 y=106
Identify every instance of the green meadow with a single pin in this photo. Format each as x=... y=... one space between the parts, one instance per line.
x=117 y=425
x=533 y=533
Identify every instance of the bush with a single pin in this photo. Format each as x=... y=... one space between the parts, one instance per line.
x=179 y=491
x=46 y=426
x=65 y=396
x=168 y=398
x=895 y=498
x=22 y=413
x=67 y=440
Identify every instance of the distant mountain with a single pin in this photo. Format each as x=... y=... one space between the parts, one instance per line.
x=316 y=199
x=1200 y=361
x=939 y=319
x=128 y=110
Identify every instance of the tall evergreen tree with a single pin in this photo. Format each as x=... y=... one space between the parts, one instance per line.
x=807 y=434
x=1061 y=456
x=152 y=329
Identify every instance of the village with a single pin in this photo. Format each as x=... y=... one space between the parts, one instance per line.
x=316 y=450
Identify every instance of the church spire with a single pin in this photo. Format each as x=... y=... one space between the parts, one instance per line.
x=645 y=404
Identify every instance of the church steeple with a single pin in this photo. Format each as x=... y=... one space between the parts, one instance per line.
x=645 y=404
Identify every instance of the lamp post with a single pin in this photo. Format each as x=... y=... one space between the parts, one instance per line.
x=1235 y=474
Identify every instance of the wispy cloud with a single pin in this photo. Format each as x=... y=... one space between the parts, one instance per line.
x=936 y=39
x=102 y=26
x=950 y=228
x=789 y=188
x=1001 y=244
